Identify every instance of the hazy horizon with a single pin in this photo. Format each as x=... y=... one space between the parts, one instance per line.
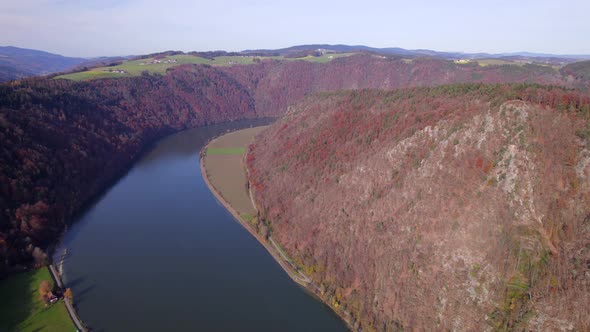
x=133 y=27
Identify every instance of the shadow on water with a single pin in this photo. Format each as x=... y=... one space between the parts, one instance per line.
x=83 y=292
x=75 y=282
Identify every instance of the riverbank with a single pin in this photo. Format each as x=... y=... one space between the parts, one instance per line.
x=221 y=191
x=161 y=217
x=267 y=245
x=72 y=312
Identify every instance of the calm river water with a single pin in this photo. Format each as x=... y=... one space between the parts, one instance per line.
x=157 y=252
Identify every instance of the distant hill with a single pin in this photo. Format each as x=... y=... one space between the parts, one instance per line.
x=579 y=69
x=414 y=53
x=17 y=63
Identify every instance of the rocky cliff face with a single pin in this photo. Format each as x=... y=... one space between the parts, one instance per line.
x=457 y=207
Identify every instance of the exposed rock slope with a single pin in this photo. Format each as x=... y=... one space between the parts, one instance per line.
x=462 y=207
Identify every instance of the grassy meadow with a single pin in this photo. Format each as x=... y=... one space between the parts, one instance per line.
x=225 y=151
x=323 y=58
x=498 y=62
x=136 y=67
x=21 y=308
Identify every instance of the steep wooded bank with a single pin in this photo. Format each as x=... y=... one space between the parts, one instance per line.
x=463 y=207
x=579 y=70
x=63 y=141
x=276 y=85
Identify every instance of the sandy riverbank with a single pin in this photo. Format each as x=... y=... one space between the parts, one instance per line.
x=268 y=244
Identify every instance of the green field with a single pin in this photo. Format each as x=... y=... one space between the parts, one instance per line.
x=498 y=62
x=136 y=67
x=22 y=310
x=323 y=58
x=222 y=151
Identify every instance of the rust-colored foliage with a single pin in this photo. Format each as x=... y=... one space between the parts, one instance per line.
x=44 y=290
x=62 y=141
x=68 y=294
x=430 y=207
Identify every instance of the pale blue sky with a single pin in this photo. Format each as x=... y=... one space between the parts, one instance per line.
x=108 y=27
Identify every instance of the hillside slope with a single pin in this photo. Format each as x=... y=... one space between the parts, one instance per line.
x=579 y=70
x=16 y=63
x=463 y=207
x=62 y=142
x=276 y=85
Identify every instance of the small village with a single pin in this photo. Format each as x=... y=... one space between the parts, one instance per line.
x=159 y=61
x=116 y=71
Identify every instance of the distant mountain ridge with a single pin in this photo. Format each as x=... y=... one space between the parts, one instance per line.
x=18 y=62
x=419 y=52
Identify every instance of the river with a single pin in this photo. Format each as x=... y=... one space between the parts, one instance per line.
x=157 y=252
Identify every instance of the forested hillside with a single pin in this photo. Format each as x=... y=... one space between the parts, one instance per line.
x=579 y=70
x=276 y=85
x=64 y=141
x=459 y=207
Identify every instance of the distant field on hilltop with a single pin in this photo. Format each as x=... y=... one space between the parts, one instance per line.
x=161 y=65
x=136 y=67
